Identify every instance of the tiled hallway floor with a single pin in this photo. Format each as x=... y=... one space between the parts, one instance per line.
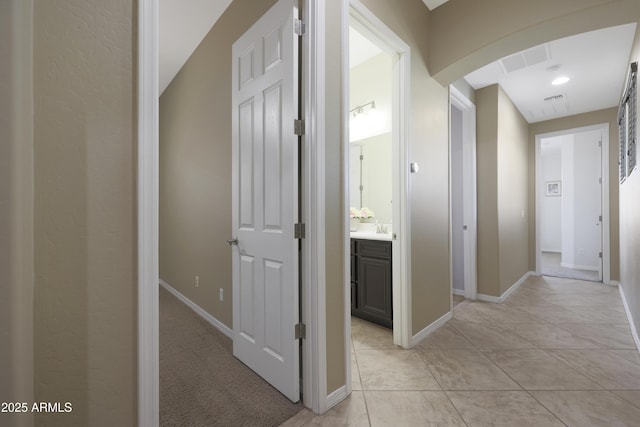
x=557 y=352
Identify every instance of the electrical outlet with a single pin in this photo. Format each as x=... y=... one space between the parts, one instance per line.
x=221 y=294
x=197 y=281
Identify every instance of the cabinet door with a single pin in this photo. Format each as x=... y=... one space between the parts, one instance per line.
x=374 y=290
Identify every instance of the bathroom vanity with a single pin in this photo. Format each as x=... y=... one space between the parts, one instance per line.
x=371 y=277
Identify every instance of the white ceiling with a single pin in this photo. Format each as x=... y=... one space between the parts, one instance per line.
x=183 y=25
x=360 y=48
x=596 y=62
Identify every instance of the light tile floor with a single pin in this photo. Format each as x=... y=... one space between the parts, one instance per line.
x=557 y=352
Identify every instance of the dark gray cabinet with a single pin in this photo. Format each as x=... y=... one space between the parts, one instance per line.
x=371 y=281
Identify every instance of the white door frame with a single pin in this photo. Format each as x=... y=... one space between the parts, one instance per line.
x=313 y=261
x=355 y=13
x=604 y=158
x=470 y=192
x=148 y=184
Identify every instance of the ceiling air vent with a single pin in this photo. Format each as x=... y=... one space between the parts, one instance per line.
x=555 y=98
x=556 y=104
x=526 y=58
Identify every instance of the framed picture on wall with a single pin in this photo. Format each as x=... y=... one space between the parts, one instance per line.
x=553 y=188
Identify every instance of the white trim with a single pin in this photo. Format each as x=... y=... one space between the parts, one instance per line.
x=337 y=396
x=579 y=267
x=147 y=184
x=345 y=105
x=197 y=309
x=470 y=192
x=604 y=158
x=376 y=30
x=632 y=325
x=505 y=295
x=455 y=291
x=420 y=336
x=313 y=292
x=553 y=251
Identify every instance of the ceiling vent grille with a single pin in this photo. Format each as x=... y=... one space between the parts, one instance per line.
x=526 y=58
x=555 y=104
x=555 y=98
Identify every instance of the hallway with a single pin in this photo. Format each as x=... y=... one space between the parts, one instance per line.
x=557 y=352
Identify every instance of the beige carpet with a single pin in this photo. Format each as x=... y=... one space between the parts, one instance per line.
x=202 y=384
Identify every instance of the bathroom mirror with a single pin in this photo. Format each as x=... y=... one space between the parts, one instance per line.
x=370 y=175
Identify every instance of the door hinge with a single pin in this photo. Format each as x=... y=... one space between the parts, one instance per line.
x=298 y=231
x=300 y=331
x=599 y=143
x=599 y=254
x=600 y=218
x=600 y=180
x=299 y=27
x=298 y=127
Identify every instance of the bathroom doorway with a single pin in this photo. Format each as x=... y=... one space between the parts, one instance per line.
x=377 y=241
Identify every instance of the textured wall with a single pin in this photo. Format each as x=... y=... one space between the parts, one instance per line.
x=513 y=210
x=487 y=167
x=16 y=208
x=85 y=250
x=502 y=157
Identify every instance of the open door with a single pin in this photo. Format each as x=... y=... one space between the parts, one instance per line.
x=265 y=199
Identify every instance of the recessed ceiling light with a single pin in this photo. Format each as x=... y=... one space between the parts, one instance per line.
x=560 y=80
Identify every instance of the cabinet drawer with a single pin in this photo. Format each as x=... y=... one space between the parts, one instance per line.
x=374 y=249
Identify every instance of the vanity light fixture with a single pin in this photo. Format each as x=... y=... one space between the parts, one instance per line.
x=360 y=109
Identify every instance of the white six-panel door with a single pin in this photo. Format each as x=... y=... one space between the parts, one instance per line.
x=265 y=199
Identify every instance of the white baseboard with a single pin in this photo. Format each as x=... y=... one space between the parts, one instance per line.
x=457 y=291
x=634 y=331
x=336 y=397
x=505 y=295
x=199 y=310
x=578 y=267
x=420 y=336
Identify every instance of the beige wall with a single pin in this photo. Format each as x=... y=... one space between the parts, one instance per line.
x=513 y=210
x=85 y=318
x=195 y=166
x=502 y=158
x=487 y=181
x=334 y=201
x=16 y=208
x=467 y=34
x=630 y=228
x=608 y=116
x=429 y=139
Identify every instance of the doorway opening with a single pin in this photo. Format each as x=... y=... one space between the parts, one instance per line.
x=376 y=105
x=463 y=197
x=572 y=204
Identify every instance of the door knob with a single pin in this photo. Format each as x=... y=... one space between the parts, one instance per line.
x=233 y=241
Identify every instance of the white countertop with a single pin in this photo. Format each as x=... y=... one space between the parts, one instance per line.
x=371 y=235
